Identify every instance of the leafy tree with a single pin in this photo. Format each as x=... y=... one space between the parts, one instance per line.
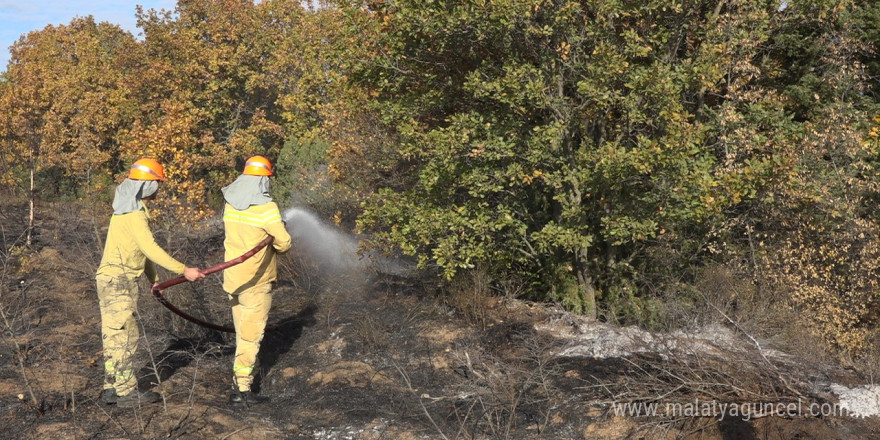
x=312 y=99
x=65 y=104
x=560 y=139
x=602 y=151
x=207 y=97
x=818 y=235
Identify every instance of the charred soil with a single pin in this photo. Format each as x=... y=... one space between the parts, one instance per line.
x=359 y=354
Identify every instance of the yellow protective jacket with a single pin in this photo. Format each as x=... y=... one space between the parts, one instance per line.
x=131 y=250
x=244 y=230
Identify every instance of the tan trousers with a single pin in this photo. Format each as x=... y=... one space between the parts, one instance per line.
x=250 y=311
x=117 y=298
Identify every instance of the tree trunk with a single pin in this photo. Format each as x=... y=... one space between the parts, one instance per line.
x=31 y=195
x=585 y=285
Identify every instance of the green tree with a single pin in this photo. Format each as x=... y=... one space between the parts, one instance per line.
x=559 y=139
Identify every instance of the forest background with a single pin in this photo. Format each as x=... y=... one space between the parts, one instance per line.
x=633 y=161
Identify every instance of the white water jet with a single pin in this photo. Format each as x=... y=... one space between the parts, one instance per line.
x=337 y=250
x=329 y=247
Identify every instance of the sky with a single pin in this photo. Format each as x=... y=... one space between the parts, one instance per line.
x=18 y=17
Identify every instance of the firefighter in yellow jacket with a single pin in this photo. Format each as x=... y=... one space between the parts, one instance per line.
x=129 y=251
x=249 y=217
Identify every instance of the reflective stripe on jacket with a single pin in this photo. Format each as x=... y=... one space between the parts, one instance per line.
x=244 y=230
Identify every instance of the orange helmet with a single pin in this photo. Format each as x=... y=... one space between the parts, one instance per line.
x=258 y=166
x=147 y=169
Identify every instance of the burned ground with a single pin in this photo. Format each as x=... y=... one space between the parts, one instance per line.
x=357 y=354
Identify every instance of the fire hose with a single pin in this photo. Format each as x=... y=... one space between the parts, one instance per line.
x=158 y=288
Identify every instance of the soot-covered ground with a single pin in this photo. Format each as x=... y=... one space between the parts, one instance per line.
x=357 y=352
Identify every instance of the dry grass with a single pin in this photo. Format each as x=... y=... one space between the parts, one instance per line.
x=490 y=375
x=371 y=334
x=470 y=295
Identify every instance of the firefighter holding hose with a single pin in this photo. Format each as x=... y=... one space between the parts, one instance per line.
x=129 y=251
x=249 y=217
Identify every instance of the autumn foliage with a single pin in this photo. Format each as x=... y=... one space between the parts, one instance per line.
x=597 y=154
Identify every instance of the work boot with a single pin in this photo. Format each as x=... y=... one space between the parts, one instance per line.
x=108 y=396
x=246 y=398
x=136 y=398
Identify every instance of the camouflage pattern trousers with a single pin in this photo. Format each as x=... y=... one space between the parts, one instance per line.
x=250 y=311
x=117 y=298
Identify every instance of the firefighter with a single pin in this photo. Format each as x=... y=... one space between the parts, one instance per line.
x=129 y=251
x=249 y=217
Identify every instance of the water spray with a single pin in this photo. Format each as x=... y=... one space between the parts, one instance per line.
x=331 y=248
x=336 y=250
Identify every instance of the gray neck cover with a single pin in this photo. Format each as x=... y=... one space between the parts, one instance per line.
x=129 y=194
x=246 y=191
